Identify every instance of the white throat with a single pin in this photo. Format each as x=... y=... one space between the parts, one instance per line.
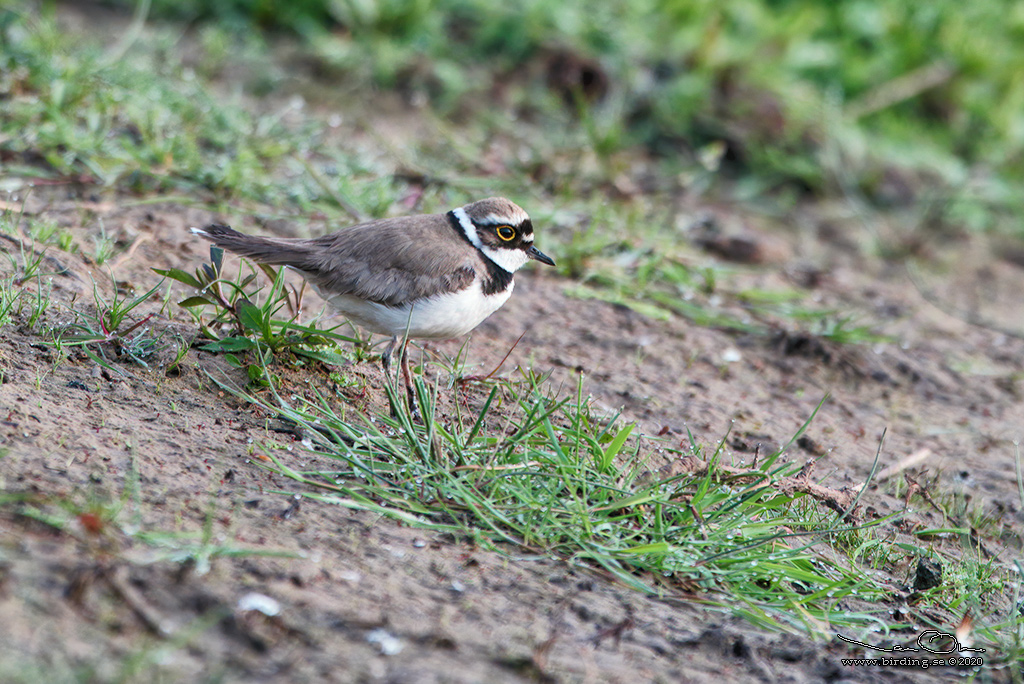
x=510 y=260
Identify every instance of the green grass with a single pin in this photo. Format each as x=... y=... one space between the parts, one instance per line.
x=25 y=289
x=528 y=473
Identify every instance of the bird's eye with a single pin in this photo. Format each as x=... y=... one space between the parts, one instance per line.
x=506 y=233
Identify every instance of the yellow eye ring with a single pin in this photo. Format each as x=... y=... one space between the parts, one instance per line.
x=506 y=233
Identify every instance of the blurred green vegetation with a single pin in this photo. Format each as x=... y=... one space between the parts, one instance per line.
x=138 y=115
x=815 y=95
x=884 y=97
x=83 y=115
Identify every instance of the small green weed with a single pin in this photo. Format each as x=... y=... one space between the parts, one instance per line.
x=253 y=327
x=109 y=330
x=104 y=246
x=9 y=297
x=40 y=303
x=29 y=266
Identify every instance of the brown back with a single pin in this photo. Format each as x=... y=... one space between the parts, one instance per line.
x=388 y=261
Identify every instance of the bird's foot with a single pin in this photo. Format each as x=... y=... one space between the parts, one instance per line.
x=385 y=358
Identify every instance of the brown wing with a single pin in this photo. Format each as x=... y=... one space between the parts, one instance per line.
x=390 y=261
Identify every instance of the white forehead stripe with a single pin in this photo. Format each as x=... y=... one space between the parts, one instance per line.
x=468 y=229
x=515 y=218
x=510 y=260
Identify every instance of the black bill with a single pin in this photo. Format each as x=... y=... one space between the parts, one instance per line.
x=540 y=256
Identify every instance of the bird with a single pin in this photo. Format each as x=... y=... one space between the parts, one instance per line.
x=429 y=276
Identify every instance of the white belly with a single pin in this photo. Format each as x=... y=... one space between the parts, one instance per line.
x=440 y=317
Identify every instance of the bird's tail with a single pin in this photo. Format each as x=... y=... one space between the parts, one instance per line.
x=274 y=251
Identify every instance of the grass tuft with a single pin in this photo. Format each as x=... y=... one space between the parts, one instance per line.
x=526 y=472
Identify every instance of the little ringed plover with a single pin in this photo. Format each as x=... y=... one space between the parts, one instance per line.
x=434 y=276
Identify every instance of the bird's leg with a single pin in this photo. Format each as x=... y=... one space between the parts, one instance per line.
x=403 y=364
x=407 y=375
x=385 y=358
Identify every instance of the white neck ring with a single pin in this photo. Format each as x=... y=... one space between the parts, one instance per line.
x=468 y=228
